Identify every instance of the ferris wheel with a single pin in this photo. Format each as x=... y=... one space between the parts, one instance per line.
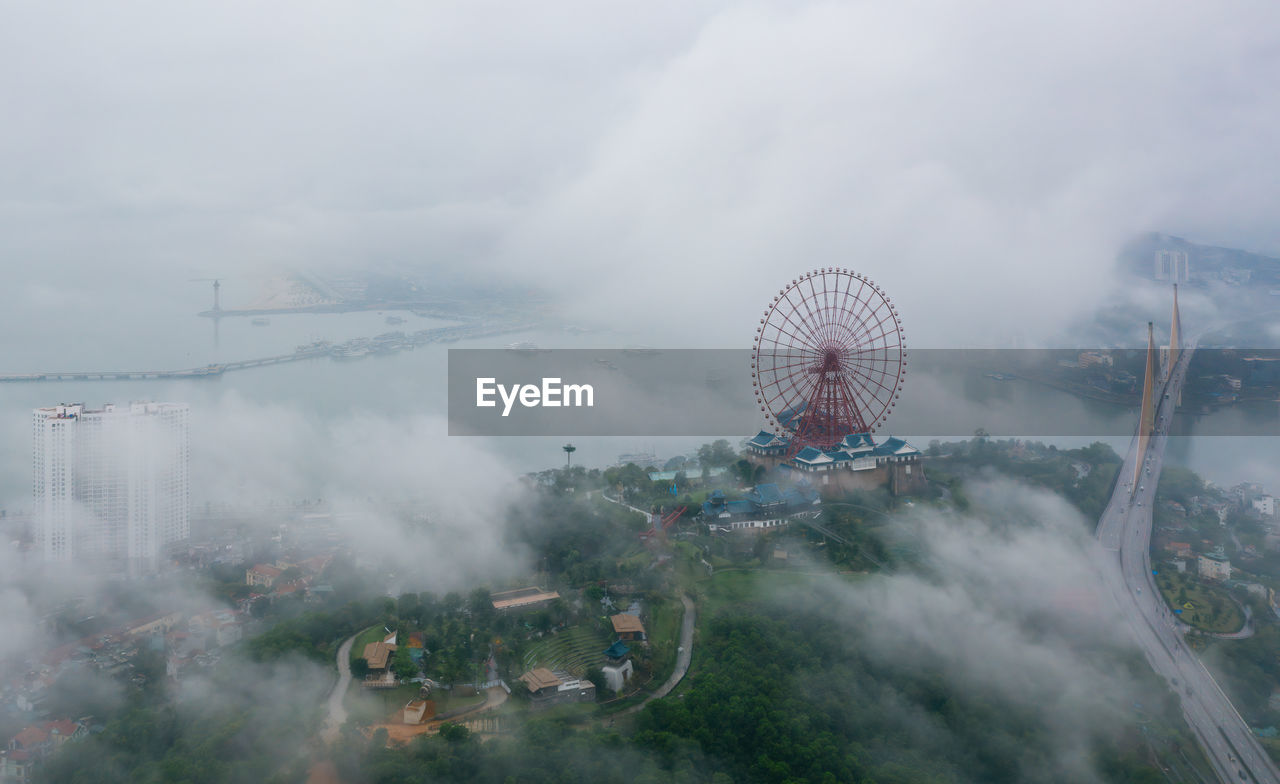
x=829 y=358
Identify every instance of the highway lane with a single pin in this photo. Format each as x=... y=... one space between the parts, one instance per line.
x=1123 y=561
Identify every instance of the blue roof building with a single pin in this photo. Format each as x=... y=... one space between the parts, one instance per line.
x=766 y=443
x=761 y=501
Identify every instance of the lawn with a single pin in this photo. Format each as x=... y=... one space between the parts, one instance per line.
x=664 y=632
x=1206 y=607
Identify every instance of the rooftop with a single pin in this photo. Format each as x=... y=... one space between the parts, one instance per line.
x=540 y=678
x=624 y=623
x=377 y=654
x=521 y=597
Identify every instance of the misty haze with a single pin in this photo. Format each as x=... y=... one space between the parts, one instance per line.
x=880 y=393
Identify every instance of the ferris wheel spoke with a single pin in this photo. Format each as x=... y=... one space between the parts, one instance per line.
x=868 y=377
x=802 y=334
x=864 y=412
x=793 y=391
x=796 y=341
x=849 y=315
x=806 y=363
x=812 y=327
x=823 y=317
x=840 y=326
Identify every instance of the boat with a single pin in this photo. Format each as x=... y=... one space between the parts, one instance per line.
x=395 y=320
x=642 y=351
x=525 y=347
x=352 y=349
x=350 y=352
x=260 y=321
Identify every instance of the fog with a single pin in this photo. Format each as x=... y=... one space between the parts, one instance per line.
x=636 y=162
x=658 y=172
x=1002 y=608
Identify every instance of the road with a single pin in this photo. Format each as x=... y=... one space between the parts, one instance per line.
x=337 y=714
x=1123 y=560
x=683 y=655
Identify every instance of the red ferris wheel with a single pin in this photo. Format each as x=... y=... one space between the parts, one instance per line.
x=829 y=358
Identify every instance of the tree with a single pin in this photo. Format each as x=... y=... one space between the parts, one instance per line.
x=408 y=606
x=360 y=667
x=596 y=676
x=717 y=454
x=454 y=733
x=480 y=601
x=403 y=664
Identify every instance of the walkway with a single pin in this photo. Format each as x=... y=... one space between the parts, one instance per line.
x=337 y=715
x=683 y=656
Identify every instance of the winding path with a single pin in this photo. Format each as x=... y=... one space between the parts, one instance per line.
x=337 y=715
x=683 y=656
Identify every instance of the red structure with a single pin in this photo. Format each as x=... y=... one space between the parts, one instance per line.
x=829 y=358
x=664 y=523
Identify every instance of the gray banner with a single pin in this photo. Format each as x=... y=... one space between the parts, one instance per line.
x=945 y=393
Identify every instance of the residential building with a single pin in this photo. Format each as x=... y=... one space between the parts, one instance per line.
x=1213 y=566
x=378 y=654
x=33 y=745
x=1265 y=506
x=110 y=484
x=264 y=575
x=628 y=627
x=547 y=688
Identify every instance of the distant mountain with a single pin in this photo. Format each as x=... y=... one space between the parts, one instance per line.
x=1206 y=264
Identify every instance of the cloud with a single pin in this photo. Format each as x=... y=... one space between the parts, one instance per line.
x=686 y=161
x=1004 y=608
x=960 y=156
x=401 y=491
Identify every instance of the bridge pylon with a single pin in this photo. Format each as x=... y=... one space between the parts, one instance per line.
x=1147 y=418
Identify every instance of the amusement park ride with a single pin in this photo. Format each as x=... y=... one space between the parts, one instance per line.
x=829 y=358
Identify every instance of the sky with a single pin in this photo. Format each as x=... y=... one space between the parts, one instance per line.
x=662 y=166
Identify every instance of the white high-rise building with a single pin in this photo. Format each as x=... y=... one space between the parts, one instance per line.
x=111 y=484
x=1172 y=265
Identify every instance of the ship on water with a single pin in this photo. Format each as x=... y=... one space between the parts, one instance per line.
x=525 y=347
x=352 y=349
x=641 y=351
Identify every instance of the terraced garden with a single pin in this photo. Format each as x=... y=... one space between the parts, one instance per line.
x=573 y=650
